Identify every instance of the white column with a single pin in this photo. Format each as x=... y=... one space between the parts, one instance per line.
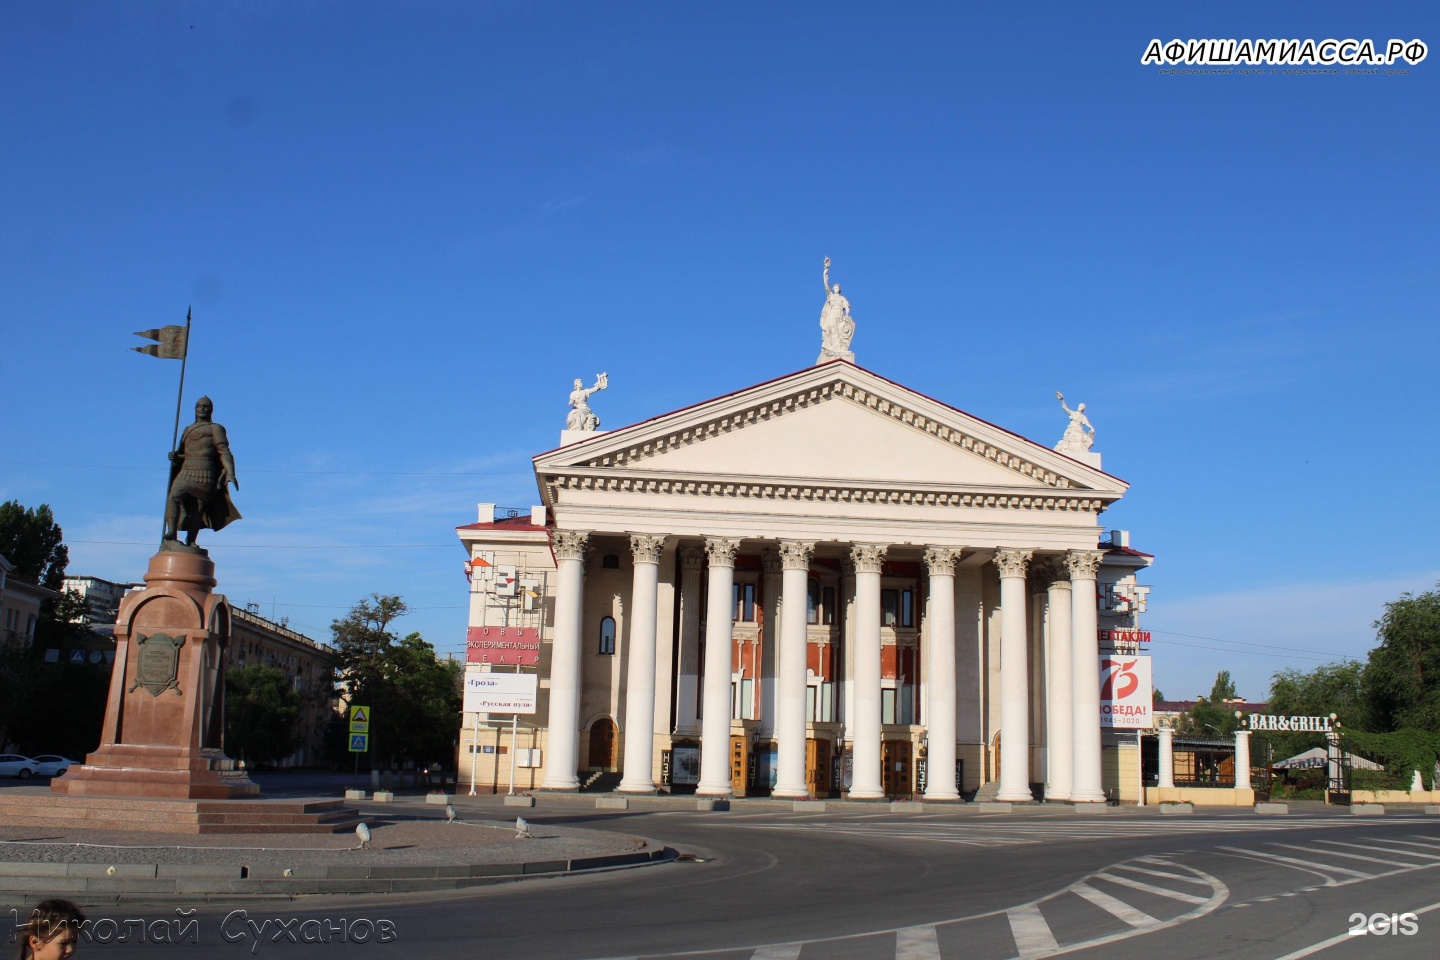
x=790 y=696
x=1059 y=704
x=940 y=671
x=770 y=584
x=866 y=731
x=687 y=667
x=1089 y=786
x=1014 y=678
x=1242 y=759
x=640 y=679
x=719 y=660
x=562 y=754
x=1167 y=757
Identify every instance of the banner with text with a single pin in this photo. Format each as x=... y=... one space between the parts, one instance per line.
x=499 y=692
x=1126 y=697
x=507 y=646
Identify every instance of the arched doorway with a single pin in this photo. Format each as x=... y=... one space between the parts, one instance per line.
x=602 y=746
x=995 y=759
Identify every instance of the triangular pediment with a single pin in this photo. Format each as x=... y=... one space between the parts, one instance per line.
x=832 y=424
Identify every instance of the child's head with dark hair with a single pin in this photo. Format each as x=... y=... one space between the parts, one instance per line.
x=52 y=931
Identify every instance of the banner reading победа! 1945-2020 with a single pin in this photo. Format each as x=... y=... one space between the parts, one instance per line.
x=1126 y=700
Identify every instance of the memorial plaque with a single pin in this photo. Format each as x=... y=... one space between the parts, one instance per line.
x=157 y=668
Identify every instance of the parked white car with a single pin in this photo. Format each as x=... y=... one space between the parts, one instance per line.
x=14 y=765
x=53 y=765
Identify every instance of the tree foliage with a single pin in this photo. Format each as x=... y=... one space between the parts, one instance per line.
x=1402 y=675
x=34 y=543
x=1330 y=688
x=414 y=696
x=262 y=715
x=1212 y=718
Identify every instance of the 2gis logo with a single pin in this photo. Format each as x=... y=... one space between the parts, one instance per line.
x=1381 y=924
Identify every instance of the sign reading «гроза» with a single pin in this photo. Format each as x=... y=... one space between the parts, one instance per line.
x=499 y=692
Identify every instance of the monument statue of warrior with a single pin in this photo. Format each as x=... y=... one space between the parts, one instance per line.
x=1075 y=440
x=836 y=325
x=581 y=417
x=200 y=469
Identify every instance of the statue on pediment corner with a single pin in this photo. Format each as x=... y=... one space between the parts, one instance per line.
x=836 y=324
x=1075 y=440
x=581 y=417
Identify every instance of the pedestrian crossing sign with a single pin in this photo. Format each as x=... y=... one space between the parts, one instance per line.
x=359 y=742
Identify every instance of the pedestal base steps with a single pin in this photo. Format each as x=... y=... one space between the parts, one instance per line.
x=180 y=816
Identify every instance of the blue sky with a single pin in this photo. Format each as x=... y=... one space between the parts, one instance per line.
x=406 y=227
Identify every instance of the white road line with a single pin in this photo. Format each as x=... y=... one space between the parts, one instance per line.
x=1374 y=849
x=1161 y=873
x=778 y=951
x=1322 y=868
x=1032 y=934
x=917 y=943
x=1347 y=856
x=1151 y=888
x=1432 y=844
x=1117 y=908
x=1340 y=938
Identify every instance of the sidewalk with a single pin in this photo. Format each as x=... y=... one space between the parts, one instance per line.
x=412 y=847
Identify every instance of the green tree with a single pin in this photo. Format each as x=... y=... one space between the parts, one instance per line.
x=262 y=715
x=1330 y=688
x=1402 y=675
x=34 y=543
x=413 y=695
x=1212 y=717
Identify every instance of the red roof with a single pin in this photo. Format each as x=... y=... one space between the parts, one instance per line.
x=1128 y=552
x=505 y=523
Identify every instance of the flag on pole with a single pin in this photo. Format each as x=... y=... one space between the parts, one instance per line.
x=172 y=342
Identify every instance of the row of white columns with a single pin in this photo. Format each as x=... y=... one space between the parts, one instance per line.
x=1074 y=735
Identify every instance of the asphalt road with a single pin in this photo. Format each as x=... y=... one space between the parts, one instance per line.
x=774 y=885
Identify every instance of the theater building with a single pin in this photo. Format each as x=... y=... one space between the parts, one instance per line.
x=826 y=584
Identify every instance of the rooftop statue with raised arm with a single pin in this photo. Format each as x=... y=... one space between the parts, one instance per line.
x=581 y=417
x=201 y=467
x=1075 y=440
x=836 y=324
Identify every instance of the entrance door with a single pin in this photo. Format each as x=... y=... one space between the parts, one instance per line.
x=995 y=761
x=898 y=775
x=602 y=746
x=817 y=767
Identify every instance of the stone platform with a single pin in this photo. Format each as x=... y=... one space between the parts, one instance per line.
x=65 y=813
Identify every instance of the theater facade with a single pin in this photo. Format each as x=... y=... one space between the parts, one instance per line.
x=827 y=584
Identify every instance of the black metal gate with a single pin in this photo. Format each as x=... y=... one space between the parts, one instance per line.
x=1337 y=770
x=1262 y=756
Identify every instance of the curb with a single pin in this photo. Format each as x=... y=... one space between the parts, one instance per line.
x=161 y=882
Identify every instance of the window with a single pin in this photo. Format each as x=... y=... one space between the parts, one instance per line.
x=607 y=636
x=907 y=608
x=745 y=602
x=812 y=601
x=610 y=561
x=887 y=705
x=889 y=608
x=827 y=605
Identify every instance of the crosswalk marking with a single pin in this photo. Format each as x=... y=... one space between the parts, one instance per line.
x=779 y=951
x=1372 y=846
x=1116 y=908
x=1323 y=868
x=917 y=943
x=1031 y=931
x=1151 y=888
x=1162 y=873
x=1335 y=853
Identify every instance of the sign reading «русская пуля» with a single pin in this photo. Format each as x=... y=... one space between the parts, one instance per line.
x=1269 y=722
